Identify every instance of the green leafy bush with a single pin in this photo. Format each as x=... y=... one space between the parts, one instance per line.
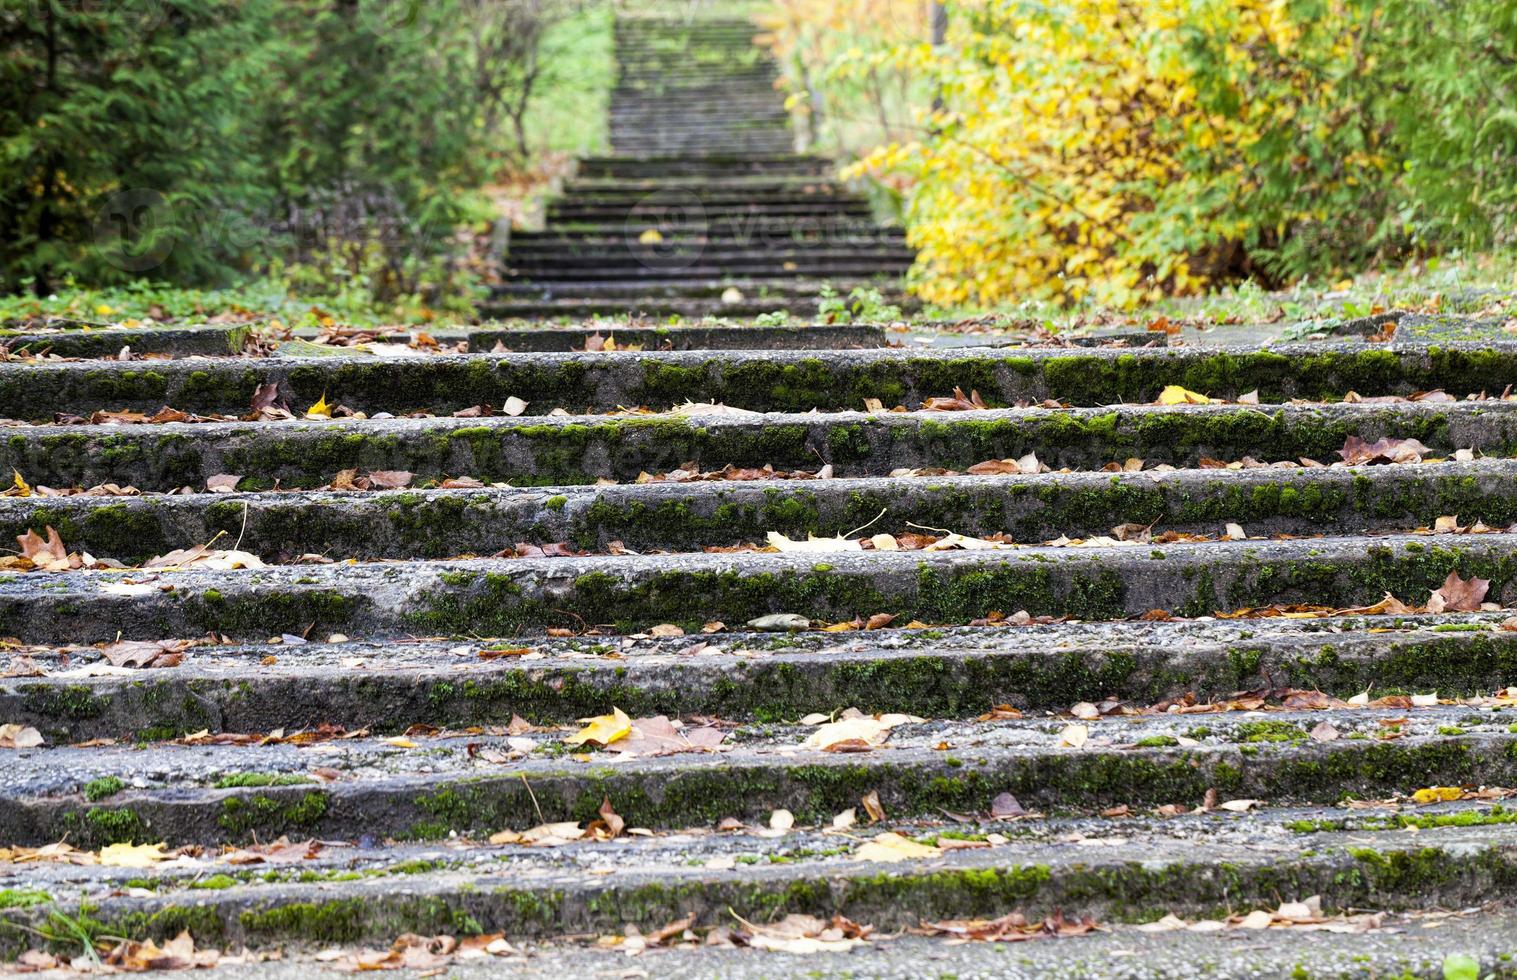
x=338 y=144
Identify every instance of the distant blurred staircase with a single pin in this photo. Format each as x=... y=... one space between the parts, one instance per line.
x=705 y=208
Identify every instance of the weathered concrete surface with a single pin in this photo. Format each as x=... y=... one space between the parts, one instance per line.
x=505 y=597
x=580 y=450
x=808 y=337
x=1411 y=948
x=691 y=516
x=952 y=673
x=209 y=340
x=530 y=894
x=797 y=381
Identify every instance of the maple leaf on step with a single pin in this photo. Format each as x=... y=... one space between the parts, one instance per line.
x=1458 y=595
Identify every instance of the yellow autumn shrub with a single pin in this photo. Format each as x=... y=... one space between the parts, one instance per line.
x=1116 y=150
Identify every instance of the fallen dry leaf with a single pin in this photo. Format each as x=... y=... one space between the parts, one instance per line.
x=132 y=855
x=602 y=730
x=1458 y=595
x=890 y=847
x=1012 y=928
x=19 y=737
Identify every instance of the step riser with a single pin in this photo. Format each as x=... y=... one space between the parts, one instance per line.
x=777 y=286
x=764 y=381
x=689 y=517
x=909 y=784
x=645 y=281
x=504 y=598
x=203 y=340
x=631 y=169
x=931 y=684
x=569 y=258
x=550 y=452
x=653 y=309
x=658 y=200
x=746 y=233
x=285 y=917
x=803 y=337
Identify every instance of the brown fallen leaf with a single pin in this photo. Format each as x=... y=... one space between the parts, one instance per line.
x=660 y=736
x=144 y=653
x=178 y=953
x=1356 y=451
x=873 y=807
x=19 y=737
x=48 y=554
x=1005 y=805
x=1012 y=928
x=1458 y=595
x=1324 y=732
x=805 y=934
x=390 y=479
x=610 y=825
x=960 y=402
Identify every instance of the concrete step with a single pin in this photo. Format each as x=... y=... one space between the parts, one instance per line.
x=566 y=261
x=800 y=336
x=84 y=342
x=504 y=597
x=942 y=673
x=209 y=794
x=641 y=276
x=802 y=381
x=566 y=310
x=566 y=254
x=371 y=893
x=582 y=449
x=777 y=143
x=760 y=183
x=778 y=284
x=691 y=516
x=664 y=165
x=713 y=199
x=742 y=232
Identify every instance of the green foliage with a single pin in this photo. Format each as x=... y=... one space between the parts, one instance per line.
x=862 y=305
x=1122 y=151
x=1458 y=966
x=119 y=137
x=336 y=145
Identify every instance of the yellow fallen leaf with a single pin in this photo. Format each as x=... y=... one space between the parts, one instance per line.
x=603 y=729
x=650 y=237
x=781 y=543
x=1176 y=395
x=22 y=488
x=552 y=834
x=400 y=742
x=103 y=310
x=132 y=855
x=1438 y=794
x=1074 y=736
x=320 y=410
x=894 y=847
x=872 y=731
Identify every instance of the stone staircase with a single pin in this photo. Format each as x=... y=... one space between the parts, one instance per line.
x=385 y=688
x=705 y=208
